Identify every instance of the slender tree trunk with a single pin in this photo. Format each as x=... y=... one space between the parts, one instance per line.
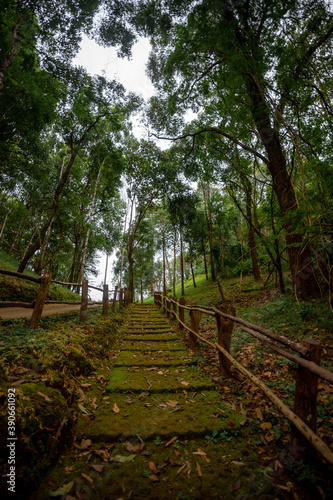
x=61 y=184
x=85 y=247
x=174 y=264
x=163 y=251
x=182 y=263
x=252 y=241
x=33 y=249
x=206 y=193
x=205 y=258
x=168 y=267
x=106 y=268
x=191 y=260
x=141 y=285
x=39 y=266
x=221 y=248
x=6 y=63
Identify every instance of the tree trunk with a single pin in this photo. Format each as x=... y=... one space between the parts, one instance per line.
x=85 y=248
x=33 y=249
x=174 y=264
x=191 y=260
x=205 y=259
x=182 y=263
x=300 y=261
x=206 y=193
x=5 y=63
x=163 y=251
x=252 y=241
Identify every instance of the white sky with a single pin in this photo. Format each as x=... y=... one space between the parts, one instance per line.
x=131 y=73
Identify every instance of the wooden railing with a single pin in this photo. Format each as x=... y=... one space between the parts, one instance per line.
x=46 y=280
x=304 y=416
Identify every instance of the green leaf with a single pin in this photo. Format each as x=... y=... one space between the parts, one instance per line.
x=122 y=459
x=63 y=490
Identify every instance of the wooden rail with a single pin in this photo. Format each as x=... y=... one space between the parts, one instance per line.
x=305 y=404
x=44 y=282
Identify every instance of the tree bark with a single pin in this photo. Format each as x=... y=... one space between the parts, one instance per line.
x=6 y=63
x=206 y=194
x=191 y=261
x=300 y=261
x=252 y=241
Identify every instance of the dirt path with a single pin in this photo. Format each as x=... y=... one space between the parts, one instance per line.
x=154 y=426
x=7 y=313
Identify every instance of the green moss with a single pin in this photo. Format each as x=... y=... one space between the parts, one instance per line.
x=162 y=415
x=125 y=379
x=160 y=358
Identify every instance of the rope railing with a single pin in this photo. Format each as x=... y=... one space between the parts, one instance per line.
x=306 y=377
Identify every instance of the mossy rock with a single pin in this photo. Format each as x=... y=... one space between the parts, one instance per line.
x=43 y=428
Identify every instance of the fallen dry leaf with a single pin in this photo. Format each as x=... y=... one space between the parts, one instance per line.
x=85 y=444
x=199 y=469
x=171 y=441
x=152 y=477
x=152 y=466
x=87 y=478
x=115 y=408
x=98 y=468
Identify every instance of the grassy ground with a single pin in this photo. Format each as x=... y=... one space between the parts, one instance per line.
x=285 y=316
x=45 y=368
x=54 y=368
x=26 y=291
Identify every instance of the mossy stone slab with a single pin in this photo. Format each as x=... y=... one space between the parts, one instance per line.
x=146 y=331
x=151 y=346
x=158 y=358
x=162 y=337
x=173 y=379
x=164 y=415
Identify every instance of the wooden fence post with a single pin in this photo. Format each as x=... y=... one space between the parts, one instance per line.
x=114 y=299
x=41 y=297
x=105 y=300
x=181 y=314
x=305 y=402
x=84 y=301
x=121 y=305
x=224 y=331
x=195 y=317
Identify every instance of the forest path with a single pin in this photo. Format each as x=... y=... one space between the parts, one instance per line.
x=147 y=435
x=7 y=313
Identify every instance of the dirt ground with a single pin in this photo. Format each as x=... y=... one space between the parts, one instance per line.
x=7 y=313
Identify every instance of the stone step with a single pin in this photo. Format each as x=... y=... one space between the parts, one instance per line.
x=157 y=358
x=164 y=415
x=138 y=345
x=159 y=337
x=157 y=380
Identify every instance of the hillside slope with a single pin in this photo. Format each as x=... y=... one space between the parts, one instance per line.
x=26 y=291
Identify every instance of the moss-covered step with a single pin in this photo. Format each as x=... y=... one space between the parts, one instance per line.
x=133 y=331
x=172 y=379
x=138 y=345
x=157 y=358
x=164 y=415
x=160 y=337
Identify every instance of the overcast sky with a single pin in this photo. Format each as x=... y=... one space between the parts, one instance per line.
x=131 y=73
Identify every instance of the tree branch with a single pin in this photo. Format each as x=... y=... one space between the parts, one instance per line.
x=219 y=132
